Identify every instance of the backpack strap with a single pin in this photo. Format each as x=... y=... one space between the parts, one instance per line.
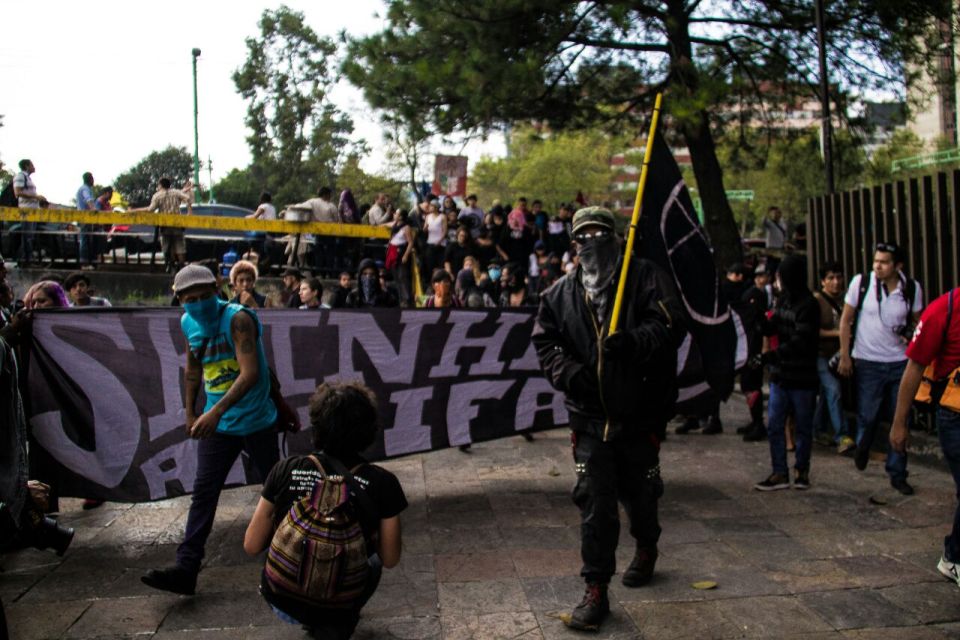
x=859 y=308
x=367 y=512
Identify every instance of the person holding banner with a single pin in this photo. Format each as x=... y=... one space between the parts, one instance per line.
x=620 y=391
x=225 y=352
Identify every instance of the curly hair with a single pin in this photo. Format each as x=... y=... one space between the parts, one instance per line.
x=343 y=418
x=243 y=266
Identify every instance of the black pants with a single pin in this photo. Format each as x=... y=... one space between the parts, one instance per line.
x=625 y=470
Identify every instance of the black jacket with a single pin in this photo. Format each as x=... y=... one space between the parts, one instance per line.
x=613 y=394
x=796 y=323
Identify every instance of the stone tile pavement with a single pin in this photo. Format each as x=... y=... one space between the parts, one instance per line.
x=491 y=551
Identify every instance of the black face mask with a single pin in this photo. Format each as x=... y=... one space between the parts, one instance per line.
x=598 y=262
x=368 y=287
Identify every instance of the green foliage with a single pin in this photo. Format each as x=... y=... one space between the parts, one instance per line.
x=550 y=168
x=903 y=144
x=479 y=64
x=239 y=187
x=139 y=183
x=296 y=135
x=366 y=186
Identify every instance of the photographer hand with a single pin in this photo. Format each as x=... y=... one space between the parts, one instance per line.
x=39 y=493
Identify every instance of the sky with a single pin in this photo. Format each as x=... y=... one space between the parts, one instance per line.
x=97 y=85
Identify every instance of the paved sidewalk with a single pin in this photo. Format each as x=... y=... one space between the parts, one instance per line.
x=491 y=551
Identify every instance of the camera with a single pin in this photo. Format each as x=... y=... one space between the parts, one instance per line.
x=906 y=331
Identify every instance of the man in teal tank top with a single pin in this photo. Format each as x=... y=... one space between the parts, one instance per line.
x=225 y=353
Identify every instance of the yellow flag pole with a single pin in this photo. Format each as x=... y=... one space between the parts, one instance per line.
x=631 y=235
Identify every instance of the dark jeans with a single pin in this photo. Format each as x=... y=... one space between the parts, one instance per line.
x=877 y=387
x=948 y=425
x=215 y=457
x=333 y=624
x=782 y=402
x=625 y=470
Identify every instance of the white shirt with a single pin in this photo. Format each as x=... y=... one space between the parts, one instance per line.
x=28 y=192
x=435 y=234
x=376 y=215
x=269 y=211
x=776 y=233
x=323 y=210
x=876 y=339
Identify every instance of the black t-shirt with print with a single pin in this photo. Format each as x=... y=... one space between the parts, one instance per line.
x=293 y=478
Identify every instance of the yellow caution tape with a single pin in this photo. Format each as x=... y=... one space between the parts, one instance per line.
x=222 y=223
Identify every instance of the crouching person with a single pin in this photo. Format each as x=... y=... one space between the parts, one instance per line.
x=329 y=520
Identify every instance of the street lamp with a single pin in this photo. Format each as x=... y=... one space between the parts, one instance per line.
x=196 y=135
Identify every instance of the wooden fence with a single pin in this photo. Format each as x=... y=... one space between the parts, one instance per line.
x=919 y=214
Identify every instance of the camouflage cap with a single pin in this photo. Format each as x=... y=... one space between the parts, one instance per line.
x=593 y=215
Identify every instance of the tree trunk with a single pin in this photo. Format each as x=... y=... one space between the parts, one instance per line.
x=717 y=214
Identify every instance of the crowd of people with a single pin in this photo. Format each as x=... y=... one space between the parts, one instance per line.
x=859 y=345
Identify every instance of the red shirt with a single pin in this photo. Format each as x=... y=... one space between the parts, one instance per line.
x=928 y=340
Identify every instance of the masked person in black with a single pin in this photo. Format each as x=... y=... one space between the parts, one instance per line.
x=620 y=391
x=369 y=293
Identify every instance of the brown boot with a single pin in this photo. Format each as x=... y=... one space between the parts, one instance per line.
x=592 y=610
x=640 y=570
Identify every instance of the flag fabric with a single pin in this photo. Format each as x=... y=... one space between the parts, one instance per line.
x=671 y=236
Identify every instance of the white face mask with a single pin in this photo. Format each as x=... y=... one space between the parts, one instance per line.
x=598 y=262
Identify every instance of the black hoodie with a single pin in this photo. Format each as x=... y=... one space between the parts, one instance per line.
x=796 y=323
x=381 y=298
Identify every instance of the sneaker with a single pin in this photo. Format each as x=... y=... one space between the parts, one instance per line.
x=861 y=457
x=465 y=448
x=775 y=482
x=901 y=485
x=742 y=430
x=527 y=436
x=640 y=570
x=591 y=611
x=758 y=433
x=690 y=424
x=90 y=503
x=847 y=446
x=714 y=426
x=802 y=480
x=949 y=570
x=824 y=439
x=174 y=579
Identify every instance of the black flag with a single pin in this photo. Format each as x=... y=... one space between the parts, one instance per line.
x=671 y=235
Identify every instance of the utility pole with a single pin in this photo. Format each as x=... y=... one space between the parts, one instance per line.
x=827 y=124
x=210 y=197
x=196 y=135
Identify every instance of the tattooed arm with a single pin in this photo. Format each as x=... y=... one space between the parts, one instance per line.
x=243 y=330
x=192 y=378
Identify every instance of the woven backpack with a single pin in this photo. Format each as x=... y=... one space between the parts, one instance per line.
x=318 y=554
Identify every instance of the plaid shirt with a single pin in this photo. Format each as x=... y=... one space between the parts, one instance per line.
x=168 y=200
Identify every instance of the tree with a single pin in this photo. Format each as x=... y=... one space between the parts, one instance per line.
x=297 y=136
x=366 y=186
x=490 y=180
x=478 y=64
x=902 y=144
x=139 y=183
x=239 y=187
x=407 y=141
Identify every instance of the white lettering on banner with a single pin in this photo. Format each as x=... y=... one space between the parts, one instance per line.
x=408 y=434
x=490 y=363
x=461 y=409
x=280 y=327
x=116 y=430
x=528 y=407
x=170 y=365
x=179 y=462
x=527 y=362
x=392 y=365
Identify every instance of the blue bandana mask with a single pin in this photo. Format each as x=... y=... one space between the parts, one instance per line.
x=494 y=274
x=204 y=312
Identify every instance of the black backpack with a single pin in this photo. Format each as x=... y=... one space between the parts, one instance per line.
x=7 y=197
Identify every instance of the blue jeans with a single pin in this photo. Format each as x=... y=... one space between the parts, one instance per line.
x=829 y=402
x=215 y=457
x=948 y=425
x=877 y=387
x=782 y=402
